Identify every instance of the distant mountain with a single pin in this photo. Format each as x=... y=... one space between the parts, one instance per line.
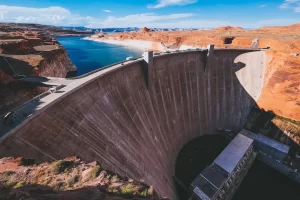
x=106 y=30
x=128 y=29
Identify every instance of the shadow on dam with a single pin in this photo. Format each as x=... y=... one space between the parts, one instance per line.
x=135 y=118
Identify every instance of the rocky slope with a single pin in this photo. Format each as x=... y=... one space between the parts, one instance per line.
x=67 y=179
x=27 y=52
x=45 y=29
x=281 y=83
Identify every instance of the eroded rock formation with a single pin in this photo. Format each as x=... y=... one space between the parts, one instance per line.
x=228 y=28
x=28 y=53
x=45 y=29
x=145 y=30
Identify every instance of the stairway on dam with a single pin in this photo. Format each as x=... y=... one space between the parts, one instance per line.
x=134 y=117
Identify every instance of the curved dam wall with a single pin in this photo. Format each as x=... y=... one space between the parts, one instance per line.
x=134 y=119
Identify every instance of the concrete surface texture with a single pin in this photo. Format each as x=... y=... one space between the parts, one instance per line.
x=234 y=152
x=134 y=118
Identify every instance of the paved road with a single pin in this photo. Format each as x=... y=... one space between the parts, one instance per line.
x=45 y=81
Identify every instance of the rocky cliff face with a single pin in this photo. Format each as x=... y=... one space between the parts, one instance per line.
x=44 y=29
x=281 y=91
x=56 y=63
x=28 y=53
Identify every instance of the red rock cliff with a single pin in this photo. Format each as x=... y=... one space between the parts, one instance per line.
x=28 y=53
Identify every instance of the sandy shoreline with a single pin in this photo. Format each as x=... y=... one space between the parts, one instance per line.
x=139 y=44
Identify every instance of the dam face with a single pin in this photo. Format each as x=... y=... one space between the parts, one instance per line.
x=135 y=118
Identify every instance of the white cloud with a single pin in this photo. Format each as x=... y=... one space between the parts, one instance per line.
x=63 y=17
x=50 y=15
x=183 y=20
x=262 y=6
x=60 y=16
x=108 y=11
x=291 y=4
x=140 y=20
x=164 y=3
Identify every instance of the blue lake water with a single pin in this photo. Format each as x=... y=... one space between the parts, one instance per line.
x=89 y=55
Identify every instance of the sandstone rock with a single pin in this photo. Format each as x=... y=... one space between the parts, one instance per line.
x=145 y=30
x=229 y=28
x=28 y=53
x=65 y=185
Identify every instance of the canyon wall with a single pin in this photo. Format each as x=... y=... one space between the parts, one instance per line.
x=54 y=63
x=28 y=54
x=135 y=118
x=281 y=89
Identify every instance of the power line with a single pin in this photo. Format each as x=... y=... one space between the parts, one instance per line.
x=15 y=73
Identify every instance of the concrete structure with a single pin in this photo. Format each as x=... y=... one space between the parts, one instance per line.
x=273 y=153
x=221 y=179
x=134 y=117
x=268 y=146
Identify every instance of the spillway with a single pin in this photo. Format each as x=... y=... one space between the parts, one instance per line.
x=135 y=117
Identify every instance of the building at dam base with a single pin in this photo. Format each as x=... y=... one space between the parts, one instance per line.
x=221 y=179
x=134 y=117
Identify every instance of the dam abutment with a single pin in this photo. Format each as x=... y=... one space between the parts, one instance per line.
x=113 y=116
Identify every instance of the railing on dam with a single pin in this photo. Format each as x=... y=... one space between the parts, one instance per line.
x=15 y=117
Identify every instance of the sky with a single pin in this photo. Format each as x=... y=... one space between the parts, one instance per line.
x=152 y=13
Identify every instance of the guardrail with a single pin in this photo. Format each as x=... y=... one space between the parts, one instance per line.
x=19 y=114
x=102 y=68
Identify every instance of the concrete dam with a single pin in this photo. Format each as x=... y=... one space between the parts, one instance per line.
x=135 y=117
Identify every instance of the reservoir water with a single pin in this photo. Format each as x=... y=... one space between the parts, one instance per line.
x=89 y=55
